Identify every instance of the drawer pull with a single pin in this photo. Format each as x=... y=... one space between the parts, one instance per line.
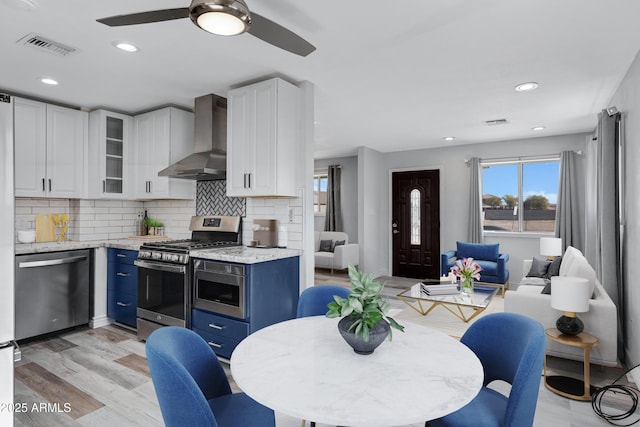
x=121 y=255
x=213 y=344
x=122 y=274
x=122 y=304
x=214 y=326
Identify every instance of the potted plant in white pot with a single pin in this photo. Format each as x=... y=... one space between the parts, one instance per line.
x=365 y=323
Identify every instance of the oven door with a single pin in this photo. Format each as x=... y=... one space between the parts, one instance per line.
x=162 y=292
x=219 y=288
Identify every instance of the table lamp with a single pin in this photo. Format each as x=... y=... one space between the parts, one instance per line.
x=571 y=296
x=550 y=247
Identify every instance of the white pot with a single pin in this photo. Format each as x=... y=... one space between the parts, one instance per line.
x=26 y=236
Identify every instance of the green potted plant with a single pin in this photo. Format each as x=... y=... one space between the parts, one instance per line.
x=155 y=227
x=365 y=323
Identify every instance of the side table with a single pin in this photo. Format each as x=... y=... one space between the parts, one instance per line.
x=572 y=388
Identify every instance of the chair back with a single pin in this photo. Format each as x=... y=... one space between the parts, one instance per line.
x=313 y=301
x=185 y=373
x=511 y=348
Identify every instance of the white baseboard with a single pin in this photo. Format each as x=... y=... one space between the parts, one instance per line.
x=98 y=322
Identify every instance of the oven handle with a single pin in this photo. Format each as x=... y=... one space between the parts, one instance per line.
x=169 y=268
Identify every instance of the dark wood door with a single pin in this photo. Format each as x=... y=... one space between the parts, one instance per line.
x=415 y=224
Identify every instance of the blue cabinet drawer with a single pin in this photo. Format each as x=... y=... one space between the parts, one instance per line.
x=122 y=308
x=222 y=346
x=122 y=278
x=219 y=325
x=122 y=256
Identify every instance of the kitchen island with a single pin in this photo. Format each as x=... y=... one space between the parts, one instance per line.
x=245 y=254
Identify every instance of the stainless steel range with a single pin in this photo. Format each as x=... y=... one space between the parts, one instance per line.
x=165 y=272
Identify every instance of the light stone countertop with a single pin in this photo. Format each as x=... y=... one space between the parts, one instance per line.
x=244 y=254
x=70 y=245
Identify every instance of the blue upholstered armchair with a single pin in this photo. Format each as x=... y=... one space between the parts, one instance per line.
x=487 y=255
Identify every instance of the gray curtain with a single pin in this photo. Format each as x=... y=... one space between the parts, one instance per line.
x=607 y=253
x=333 y=218
x=568 y=226
x=476 y=234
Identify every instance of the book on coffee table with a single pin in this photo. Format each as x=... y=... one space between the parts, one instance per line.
x=442 y=289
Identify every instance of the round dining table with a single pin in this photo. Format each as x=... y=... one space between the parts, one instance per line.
x=303 y=368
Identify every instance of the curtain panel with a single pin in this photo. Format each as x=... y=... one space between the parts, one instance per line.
x=333 y=217
x=475 y=232
x=568 y=226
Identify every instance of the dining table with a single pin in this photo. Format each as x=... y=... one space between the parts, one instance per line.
x=303 y=368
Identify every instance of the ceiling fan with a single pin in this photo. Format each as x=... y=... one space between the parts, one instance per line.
x=222 y=17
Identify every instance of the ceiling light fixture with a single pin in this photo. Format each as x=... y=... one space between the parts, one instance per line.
x=49 y=81
x=537 y=128
x=127 y=47
x=526 y=87
x=449 y=138
x=221 y=17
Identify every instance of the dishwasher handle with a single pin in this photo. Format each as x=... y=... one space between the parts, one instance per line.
x=49 y=262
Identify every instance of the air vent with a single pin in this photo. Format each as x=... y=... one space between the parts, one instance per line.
x=46 y=45
x=496 y=122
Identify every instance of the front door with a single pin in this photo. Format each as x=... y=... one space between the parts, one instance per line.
x=416 y=224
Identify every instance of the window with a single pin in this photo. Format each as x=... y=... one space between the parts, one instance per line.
x=415 y=217
x=520 y=196
x=320 y=193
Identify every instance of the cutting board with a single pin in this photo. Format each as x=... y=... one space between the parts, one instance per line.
x=45 y=228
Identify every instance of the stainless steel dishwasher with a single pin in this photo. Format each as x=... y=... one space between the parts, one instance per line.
x=52 y=292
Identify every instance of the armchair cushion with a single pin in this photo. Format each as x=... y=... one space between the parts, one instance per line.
x=325 y=246
x=478 y=251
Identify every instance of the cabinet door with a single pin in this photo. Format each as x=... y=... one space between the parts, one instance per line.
x=110 y=154
x=65 y=151
x=30 y=133
x=241 y=140
x=263 y=173
x=143 y=148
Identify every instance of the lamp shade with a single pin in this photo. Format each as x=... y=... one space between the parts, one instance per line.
x=550 y=246
x=570 y=294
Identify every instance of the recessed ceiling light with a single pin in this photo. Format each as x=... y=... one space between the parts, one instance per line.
x=49 y=81
x=127 y=47
x=528 y=86
x=449 y=138
x=537 y=128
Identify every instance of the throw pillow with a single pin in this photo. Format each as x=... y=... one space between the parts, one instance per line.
x=337 y=243
x=547 y=289
x=554 y=267
x=325 y=245
x=539 y=267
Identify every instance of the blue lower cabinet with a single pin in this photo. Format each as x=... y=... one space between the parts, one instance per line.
x=222 y=333
x=122 y=286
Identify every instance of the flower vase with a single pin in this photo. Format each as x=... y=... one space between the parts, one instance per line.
x=466 y=287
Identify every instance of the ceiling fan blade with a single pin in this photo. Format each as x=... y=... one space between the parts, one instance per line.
x=145 y=17
x=277 y=35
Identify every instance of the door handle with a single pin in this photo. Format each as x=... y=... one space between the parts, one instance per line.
x=395 y=231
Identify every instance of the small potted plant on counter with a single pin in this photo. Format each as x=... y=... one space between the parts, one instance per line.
x=155 y=227
x=365 y=323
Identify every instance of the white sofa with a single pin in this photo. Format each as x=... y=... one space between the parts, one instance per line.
x=342 y=255
x=600 y=321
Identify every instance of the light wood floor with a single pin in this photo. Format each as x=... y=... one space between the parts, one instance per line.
x=99 y=377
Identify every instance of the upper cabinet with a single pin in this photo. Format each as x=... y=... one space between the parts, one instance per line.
x=162 y=137
x=49 y=150
x=262 y=133
x=109 y=160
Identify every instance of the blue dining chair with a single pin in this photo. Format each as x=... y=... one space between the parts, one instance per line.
x=192 y=387
x=313 y=301
x=511 y=348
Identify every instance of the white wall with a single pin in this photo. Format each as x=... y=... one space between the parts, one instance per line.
x=627 y=100
x=371 y=180
x=454 y=193
x=348 y=193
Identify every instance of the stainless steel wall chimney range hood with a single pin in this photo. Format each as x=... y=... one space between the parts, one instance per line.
x=209 y=162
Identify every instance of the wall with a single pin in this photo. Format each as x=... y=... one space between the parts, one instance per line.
x=371 y=212
x=454 y=193
x=627 y=100
x=348 y=193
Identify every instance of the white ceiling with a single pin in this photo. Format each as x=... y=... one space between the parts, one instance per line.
x=388 y=75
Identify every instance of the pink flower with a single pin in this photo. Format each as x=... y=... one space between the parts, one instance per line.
x=466 y=268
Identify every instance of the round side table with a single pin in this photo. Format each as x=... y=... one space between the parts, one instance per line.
x=572 y=388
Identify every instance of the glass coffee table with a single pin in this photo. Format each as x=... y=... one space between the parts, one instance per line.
x=464 y=307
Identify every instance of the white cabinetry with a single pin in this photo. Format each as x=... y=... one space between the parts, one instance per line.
x=262 y=134
x=109 y=160
x=49 y=150
x=162 y=137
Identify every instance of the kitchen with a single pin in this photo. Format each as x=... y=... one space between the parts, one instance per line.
x=104 y=223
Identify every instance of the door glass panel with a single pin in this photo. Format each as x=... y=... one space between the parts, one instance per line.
x=415 y=217
x=114 y=167
x=114 y=128
x=114 y=148
x=113 y=186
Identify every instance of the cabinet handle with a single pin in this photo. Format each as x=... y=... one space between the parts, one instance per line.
x=121 y=304
x=104 y=186
x=249 y=175
x=43 y=185
x=213 y=344
x=214 y=326
x=121 y=255
x=122 y=274
x=244 y=184
x=49 y=184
